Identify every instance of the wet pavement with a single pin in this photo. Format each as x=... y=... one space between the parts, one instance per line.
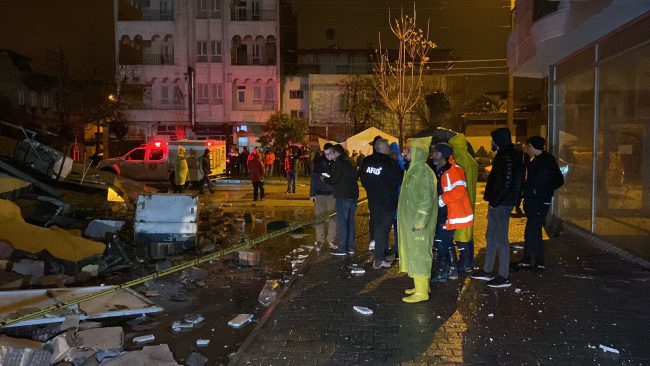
x=586 y=298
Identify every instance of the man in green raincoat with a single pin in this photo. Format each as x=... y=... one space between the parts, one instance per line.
x=180 y=170
x=464 y=237
x=416 y=219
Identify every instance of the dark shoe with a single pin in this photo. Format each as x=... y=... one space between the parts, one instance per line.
x=538 y=269
x=499 y=282
x=441 y=275
x=338 y=253
x=350 y=252
x=452 y=273
x=482 y=275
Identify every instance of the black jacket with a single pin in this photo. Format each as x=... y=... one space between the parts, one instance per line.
x=380 y=176
x=317 y=186
x=504 y=182
x=543 y=178
x=343 y=179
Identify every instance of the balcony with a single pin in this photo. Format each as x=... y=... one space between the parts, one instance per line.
x=146 y=14
x=253 y=60
x=208 y=14
x=268 y=105
x=246 y=16
x=157 y=59
x=162 y=105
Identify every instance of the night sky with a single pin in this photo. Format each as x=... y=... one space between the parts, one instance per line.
x=475 y=29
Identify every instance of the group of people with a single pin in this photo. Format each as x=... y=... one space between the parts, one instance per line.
x=427 y=193
x=273 y=161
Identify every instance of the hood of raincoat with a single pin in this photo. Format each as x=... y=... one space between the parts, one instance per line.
x=419 y=149
x=458 y=143
x=394 y=147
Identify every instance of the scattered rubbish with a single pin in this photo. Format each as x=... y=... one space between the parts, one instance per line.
x=103 y=354
x=362 y=310
x=490 y=315
x=196 y=359
x=249 y=258
x=29 y=267
x=18 y=351
x=189 y=322
x=42 y=159
x=167 y=219
x=144 y=339
x=92 y=269
x=6 y=249
x=297 y=236
x=517 y=290
x=28 y=178
x=303 y=256
x=608 y=349
x=269 y=293
x=159 y=355
x=97 y=229
x=202 y=342
x=70 y=322
x=240 y=320
x=355 y=269
x=125 y=302
x=307 y=247
x=195 y=274
x=58 y=280
x=163 y=265
x=583 y=277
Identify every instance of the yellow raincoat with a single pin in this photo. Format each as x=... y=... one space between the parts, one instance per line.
x=180 y=167
x=417 y=211
x=465 y=160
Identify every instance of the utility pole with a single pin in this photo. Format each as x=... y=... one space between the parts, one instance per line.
x=511 y=81
x=56 y=62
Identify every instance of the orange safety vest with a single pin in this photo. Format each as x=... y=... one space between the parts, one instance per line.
x=455 y=197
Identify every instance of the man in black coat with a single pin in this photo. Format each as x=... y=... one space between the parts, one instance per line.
x=343 y=180
x=501 y=193
x=380 y=176
x=543 y=178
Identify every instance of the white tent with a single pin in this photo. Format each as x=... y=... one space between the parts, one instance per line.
x=361 y=141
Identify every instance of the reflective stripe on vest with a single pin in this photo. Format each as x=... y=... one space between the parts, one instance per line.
x=461 y=220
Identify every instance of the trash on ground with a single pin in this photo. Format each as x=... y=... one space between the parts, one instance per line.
x=240 y=320
x=92 y=269
x=29 y=267
x=297 y=236
x=362 y=310
x=196 y=359
x=35 y=239
x=189 y=322
x=42 y=159
x=159 y=355
x=249 y=258
x=355 y=269
x=307 y=247
x=144 y=339
x=490 y=315
x=125 y=302
x=608 y=349
x=202 y=342
x=268 y=293
x=97 y=229
x=517 y=290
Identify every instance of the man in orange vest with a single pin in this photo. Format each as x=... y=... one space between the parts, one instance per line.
x=454 y=210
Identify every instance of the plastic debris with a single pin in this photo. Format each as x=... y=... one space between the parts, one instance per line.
x=189 y=322
x=517 y=290
x=490 y=315
x=202 y=342
x=355 y=269
x=240 y=320
x=144 y=339
x=608 y=349
x=362 y=310
x=298 y=236
x=269 y=293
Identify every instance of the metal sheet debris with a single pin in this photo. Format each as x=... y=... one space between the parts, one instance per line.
x=121 y=303
x=362 y=310
x=165 y=218
x=240 y=320
x=98 y=229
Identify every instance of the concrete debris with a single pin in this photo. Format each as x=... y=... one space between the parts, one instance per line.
x=159 y=355
x=29 y=267
x=249 y=258
x=144 y=339
x=97 y=229
x=240 y=320
x=202 y=342
x=103 y=354
x=110 y=338
x=92 y=269
x=298 y=236
x=608 y=349
x=24 y=356
x=163 y=265
x=166 y=218
x=362 y=310
x=195 y=274
x=196 y=359
x=59 y=280
x=6 y=249
x=70 y=322
x=189 y=322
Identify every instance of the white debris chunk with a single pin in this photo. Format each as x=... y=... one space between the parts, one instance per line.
x=491 y=315
x=144 y=339
x=362 y=310
x=608 y=349
x=240 y=320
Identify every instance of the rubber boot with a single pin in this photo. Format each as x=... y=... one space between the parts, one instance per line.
x=442 y=272
x=421 y=290
x=453 y=264
x=462 y=260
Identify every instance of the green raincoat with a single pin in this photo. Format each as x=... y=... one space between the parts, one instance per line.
x=465 y=160
x=417 y=209
x=180 y=167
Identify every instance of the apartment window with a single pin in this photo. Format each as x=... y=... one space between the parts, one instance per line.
x=203 y=94
x=297 y=114
x=208 y=9
x=257 y=54
x=164 y=94
x=257 y=95
x=295 y=94
x=241 y=94
x=202 y=51
x=215 y=48
x=255 y=10
x=21 y=98
x=217 y=94
x=32 y=99
x=46 y=101
x=215 y=9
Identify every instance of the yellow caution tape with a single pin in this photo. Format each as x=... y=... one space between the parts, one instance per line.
x=212 y=256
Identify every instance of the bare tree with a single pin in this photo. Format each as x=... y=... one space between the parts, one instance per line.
x=364 y=107
x=399 y=79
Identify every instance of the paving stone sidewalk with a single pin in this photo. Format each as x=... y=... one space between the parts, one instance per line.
x=587 y=297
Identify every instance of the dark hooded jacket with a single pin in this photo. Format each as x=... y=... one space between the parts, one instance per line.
x=504 y=182
x=381 y=176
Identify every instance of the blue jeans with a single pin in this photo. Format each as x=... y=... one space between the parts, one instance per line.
x=345 y=210
x=381 y=222
x=291 y=181
x=395 y=246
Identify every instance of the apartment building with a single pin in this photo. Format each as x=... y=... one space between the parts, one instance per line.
x=197 y=68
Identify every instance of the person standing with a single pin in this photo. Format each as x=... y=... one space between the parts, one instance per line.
x=323 y=198
x=243 y=161
x=464 y=237
x=291 y=170
x=543 y=178
x=343 y=180
x=205 y=171
x=256 y=174
x=233 y=162
x=454 y=209
x=396 y=154
x=501 y=192
x=269 y=160
x=380 y=176
x=180 y=170
x=416 y=219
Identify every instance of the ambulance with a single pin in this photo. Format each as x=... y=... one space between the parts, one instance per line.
x=154 y=161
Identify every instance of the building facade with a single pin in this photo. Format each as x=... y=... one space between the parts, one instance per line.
x=198 y=68
x=596 y=58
